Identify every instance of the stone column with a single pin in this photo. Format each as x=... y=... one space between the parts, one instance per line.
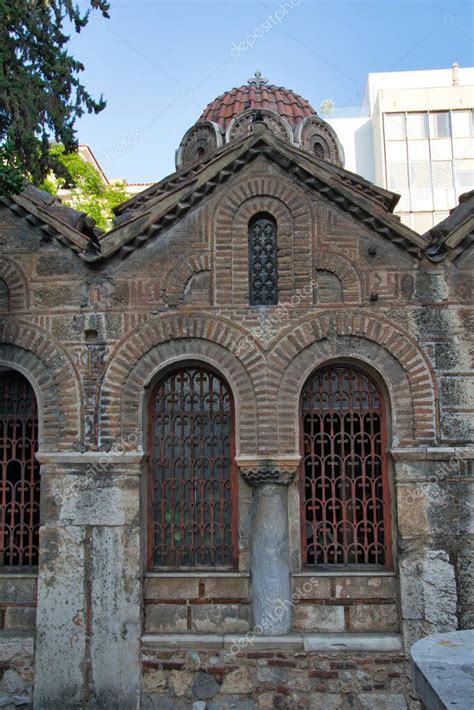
x=89 y=582
x=270 y=551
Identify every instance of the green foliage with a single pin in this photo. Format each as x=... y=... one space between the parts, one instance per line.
x=86 y=190
x=40 y=93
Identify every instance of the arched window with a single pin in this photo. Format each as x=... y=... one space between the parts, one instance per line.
x=19 y=471
x=344 y=488
x=192 y=490
x=263 y=266
x=4 y=297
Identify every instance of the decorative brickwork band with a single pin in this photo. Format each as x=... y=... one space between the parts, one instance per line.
x=260 y=472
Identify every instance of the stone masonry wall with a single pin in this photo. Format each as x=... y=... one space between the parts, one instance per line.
x=93 y=339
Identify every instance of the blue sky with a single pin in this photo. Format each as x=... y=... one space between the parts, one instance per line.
x=158 y=63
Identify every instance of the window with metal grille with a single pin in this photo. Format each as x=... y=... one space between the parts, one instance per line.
x=263 y=267
x=19 y=471
x=344 y=487
x=192 y=490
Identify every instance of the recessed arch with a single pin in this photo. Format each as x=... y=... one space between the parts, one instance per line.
x=192 y=486
x=143 y=354
x=400 y=365
x=29 y=350
x=344 y=488
x=15 y=282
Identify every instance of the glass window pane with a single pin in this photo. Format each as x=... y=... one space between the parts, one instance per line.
x=444 y=198
x=462 y=123
x=404 y=202
x=438 y=217
x=440 y=126
x=442 y=173
x=417 y=125
x=464 y=175
x=396 y=151
x=421 y=198
x=419 y=150
x=395 y=129
x=422 y=221
x=397 y=176
x=463 y=148
x=405 y=217
x=420 y=174
x=441 y=149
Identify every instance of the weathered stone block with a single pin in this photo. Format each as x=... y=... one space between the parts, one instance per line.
x=412 y=510
x=318 y=617
x=17 y=589
x=220 y=618
x=373 y=618
x=226 y=587
x=181 y=587
x=365 y=587
x=23 y=618
x=237 y=682
x=115 y=615
x=311 y=588
x=161 y=618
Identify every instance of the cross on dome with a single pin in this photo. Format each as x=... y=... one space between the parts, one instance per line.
x=257 y=79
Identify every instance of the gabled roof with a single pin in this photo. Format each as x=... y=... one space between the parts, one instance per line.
x=153 y=210
x=73 y=228
x=454 y=234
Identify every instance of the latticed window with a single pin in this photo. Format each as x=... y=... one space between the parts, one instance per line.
x=344 y=489
x=19 y=472
x=263 y=267
x=192 y=482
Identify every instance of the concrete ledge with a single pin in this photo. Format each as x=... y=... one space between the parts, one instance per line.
x=442 y=670
x=383 y=643
x=324 y=643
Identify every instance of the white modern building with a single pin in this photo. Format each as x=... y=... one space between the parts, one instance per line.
x=414 y=135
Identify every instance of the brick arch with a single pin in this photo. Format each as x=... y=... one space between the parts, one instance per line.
x=15 y=280
x=27 y=349
x=345 y=272
x=402 y=366
x=289 y=206
x=179 y=274
x=140 y=356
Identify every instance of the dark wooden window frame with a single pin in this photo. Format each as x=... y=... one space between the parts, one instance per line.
x=259 y=296
x=384 y=478
x=150 y=519
x=19 y=473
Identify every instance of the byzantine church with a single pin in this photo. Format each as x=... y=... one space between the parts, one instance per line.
x=236 y=461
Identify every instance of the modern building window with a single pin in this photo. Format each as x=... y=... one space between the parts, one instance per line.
x=263 y=264
x=344 y=489
x=19 y=472
x=192 y=483
x=429 y=157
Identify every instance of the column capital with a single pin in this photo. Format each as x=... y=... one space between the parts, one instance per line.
x=259 y=471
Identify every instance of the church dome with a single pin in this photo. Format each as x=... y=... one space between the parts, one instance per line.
x=285 y=114
x=257 y=94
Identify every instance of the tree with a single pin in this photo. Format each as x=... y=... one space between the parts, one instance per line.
x=86 y=190
x=41 y=95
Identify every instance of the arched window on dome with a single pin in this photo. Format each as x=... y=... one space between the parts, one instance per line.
x=345 y=498
x=19 y=472
x=192 y=496
x=263 y=262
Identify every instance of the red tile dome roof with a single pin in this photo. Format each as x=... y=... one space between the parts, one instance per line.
x=257 y=94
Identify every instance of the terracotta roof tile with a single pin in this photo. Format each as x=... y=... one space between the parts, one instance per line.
x=284 y=101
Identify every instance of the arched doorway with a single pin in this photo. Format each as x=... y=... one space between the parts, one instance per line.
x=345 y=500
x=19 y=472
x=192 y=498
